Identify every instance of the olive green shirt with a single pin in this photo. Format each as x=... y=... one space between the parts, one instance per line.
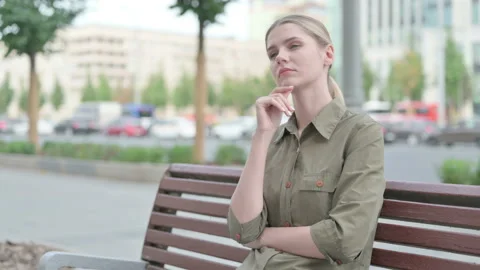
x=331 y=179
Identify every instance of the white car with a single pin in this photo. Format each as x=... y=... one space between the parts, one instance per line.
x=44 y=127
x=236 y=129
x=173 y=128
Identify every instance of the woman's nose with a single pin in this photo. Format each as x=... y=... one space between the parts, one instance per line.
x=281 y=58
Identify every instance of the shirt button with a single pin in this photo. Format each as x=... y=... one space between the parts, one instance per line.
x=287 y=224
x=339 y=262
x=288 y=184
x=237 y=236
x=319 y=183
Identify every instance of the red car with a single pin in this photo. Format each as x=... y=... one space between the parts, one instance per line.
x=131 y=127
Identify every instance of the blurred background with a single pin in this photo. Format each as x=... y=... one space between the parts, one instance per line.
x=118 y=80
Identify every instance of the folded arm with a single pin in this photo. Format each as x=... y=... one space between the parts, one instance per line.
x=355 y=206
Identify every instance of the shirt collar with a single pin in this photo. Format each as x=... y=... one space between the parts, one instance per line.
x=324 y=122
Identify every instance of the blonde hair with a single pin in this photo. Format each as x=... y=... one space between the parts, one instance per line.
x=319 y=32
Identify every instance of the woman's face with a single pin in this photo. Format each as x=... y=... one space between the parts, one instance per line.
x=296 y=58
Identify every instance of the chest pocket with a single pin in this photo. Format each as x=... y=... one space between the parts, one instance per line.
x=312 y=200
x=323 y=181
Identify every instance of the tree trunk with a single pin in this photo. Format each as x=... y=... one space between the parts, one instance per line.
x=200 y=98
x=33 y=103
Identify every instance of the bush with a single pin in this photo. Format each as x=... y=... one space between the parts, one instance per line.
x=17 y=147
x=225 y=155
x=230 y=154
x=180 y=154
x=454 y=171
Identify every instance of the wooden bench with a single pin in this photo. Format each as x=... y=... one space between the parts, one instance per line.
x=199 y=240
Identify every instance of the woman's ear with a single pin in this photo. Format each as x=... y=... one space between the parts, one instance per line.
x=329 y=55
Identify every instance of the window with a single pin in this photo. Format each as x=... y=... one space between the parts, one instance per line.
x=476 y=12
x=447 y=13
x=430 y=13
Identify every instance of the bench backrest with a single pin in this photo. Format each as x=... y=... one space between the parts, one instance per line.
x=187 y=227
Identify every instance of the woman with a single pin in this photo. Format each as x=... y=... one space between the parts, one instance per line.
x=311 y=191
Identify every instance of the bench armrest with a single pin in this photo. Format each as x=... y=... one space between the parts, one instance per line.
x=54 y=260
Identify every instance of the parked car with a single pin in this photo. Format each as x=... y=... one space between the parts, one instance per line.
x=126 y=126
x=173 y=128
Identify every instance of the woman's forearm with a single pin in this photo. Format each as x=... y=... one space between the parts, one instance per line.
x=247 y=200
x=293 y=240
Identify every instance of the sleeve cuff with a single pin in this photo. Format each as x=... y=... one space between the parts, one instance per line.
x=324 y=236
x=248 y=231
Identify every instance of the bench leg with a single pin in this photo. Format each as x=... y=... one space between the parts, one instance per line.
x=54 y=260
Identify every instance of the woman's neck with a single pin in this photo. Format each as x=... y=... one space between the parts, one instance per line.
x=308 y=102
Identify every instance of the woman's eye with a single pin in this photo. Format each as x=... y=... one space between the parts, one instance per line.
x=272 y=55
x=293 y=46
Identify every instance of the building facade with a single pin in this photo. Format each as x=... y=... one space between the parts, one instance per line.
x=390 y=27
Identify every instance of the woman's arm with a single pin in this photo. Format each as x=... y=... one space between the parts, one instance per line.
x=355 y=206
x=247 y=213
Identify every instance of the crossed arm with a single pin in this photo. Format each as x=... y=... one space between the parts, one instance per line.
x=355 y=207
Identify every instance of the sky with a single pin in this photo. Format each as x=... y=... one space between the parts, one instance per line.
x=156 y=15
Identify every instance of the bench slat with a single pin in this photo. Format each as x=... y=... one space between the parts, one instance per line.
x=456 y=216
x=197 y=245
x=190 y=205
x=407 y=261
x=195 y=186
x=427 y=238
x=205 y=172
x=449 y=194
x=191 y=224
x=161 y=256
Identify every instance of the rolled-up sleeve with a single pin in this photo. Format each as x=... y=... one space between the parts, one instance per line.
x=357 y=200
x=247 y=232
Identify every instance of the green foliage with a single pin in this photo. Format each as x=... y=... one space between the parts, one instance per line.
x=104 y=91
x=181 y=154
x=89 y=93
x=230 y=154
x=406 y=78
x=28 y=26
x=242 y=93
x=6 y=94
x=156 y=92
x=225 y=155
x=369 y=79
x=183 y=93
x=457 y=82
x=57 y=98
x=207 y=11
x=454 y=171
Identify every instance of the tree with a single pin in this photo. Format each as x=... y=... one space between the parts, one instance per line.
x=156 y=92
x=183 y=94
x=207 y=12
x=457 y=81
x=89 y=93
x=57 y=98
x=407 y=76
x=28 y=28
x=104 y=91
x=369 y=79
x=212 y=95
x=6 y=94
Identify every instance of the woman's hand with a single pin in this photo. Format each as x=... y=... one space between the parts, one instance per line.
x=270 y=108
